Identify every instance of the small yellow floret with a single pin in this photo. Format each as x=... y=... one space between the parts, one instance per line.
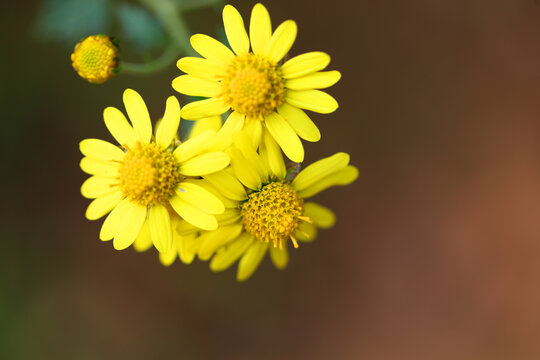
x=273 y=213
x=253 y=86
x=95 y=58
x=148 y=175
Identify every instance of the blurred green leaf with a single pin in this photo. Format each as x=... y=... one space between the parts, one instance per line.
x=139 y=27
x=70 y=20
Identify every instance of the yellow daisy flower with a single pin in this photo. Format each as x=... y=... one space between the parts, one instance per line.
x=149 y=179
x=263 y=93
x=185 y=238
x=264 y=208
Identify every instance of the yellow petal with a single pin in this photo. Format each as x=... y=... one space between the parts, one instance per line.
x=317 y=80
x=168 y=258
x=227 y=203
x=251 y=260
x=223 y=139
x=160 y=228
x=225 y=257
x=243 y=143
x=260 y=29
x=168 y=127
x=119 y=127
x=314 y=100
x=244 y=171
x=253 y=128
x=130 y=226
x=273 y=153
x=194 y=146
x=188 y=247
x=235 y=30
x=199 y=197
x=281 y=41
x=100 y=150
x=213 y=240
x=201 y=68
x=205 y=164
x=203 y=108
x=285 y=136
x=195 y=86
x=211 y=49
x=138 y=114
x=114 y=220
x=230 y=216
x=263 y=156
x=306 y=232
x=305 y=64
x=96 y=186
x=280 y=257
x=227 y=184
x=143 y=242
x=320 y=169
x=321 y=216
x=193 y=215
x=344 y=176
x=186 y=229
x=100 y=168
x=300 y=122
x=209 y=123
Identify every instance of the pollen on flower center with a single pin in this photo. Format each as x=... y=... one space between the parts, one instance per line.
x=273 y=213
x=253 y=86
x=148 y=175
x=95 y=58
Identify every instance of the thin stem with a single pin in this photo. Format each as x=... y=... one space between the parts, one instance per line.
x=168 y=12
x=168 y=56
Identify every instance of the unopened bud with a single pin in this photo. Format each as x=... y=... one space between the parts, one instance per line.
x=95 y=58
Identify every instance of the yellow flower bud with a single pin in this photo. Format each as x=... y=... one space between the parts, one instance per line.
x=95 y=58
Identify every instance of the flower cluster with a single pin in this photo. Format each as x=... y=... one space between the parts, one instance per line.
x=227 y=193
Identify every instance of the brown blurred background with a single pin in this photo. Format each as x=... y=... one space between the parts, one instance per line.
x=436 y=253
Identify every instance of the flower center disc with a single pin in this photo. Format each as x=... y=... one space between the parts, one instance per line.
x=253 y=86
x=148 y=175
x=95 y=58
x=272 y=214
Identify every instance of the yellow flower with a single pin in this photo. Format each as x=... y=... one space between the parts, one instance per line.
x=183 y=244
x=185 y=236
x=149 y=179
x=255 y=84
x=95 y=58
x=264 y=208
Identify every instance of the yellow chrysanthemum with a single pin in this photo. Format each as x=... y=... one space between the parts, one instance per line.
x=264 y=208
x=149 y=179
x=183 y=244
x=255 y=85
x=95 y=58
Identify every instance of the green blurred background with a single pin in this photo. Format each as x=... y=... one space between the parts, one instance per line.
x=436 y=252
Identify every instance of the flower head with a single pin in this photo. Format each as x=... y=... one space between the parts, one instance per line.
x=264 y=94
x=265 y=207
x=95 y=58
x=149 y=182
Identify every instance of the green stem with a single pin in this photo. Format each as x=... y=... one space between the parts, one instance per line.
x=168 y=12
x=168 y=56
